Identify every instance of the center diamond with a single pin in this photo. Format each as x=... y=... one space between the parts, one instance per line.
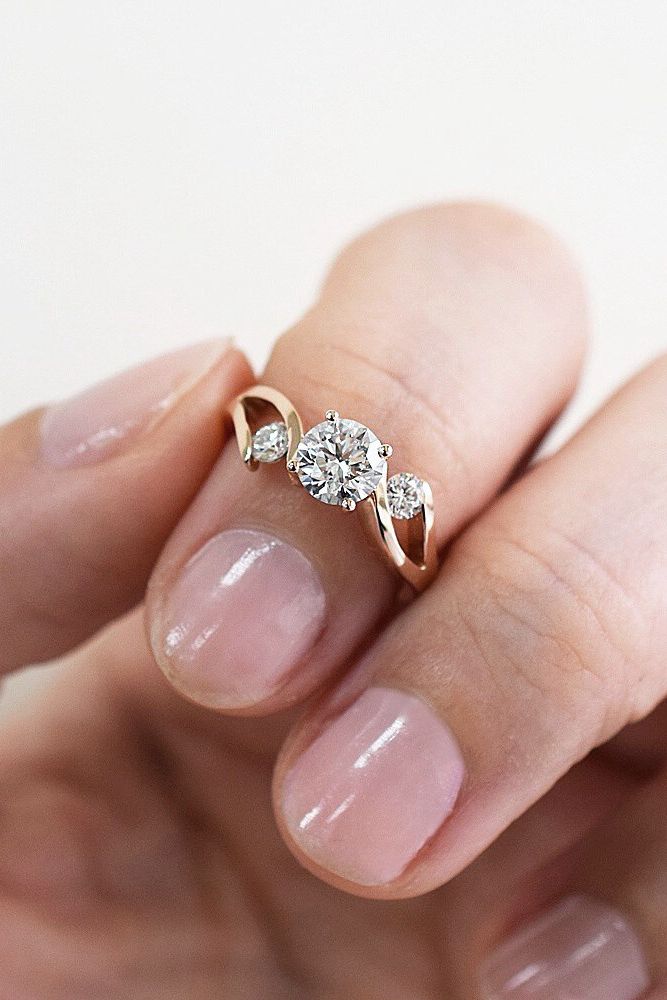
x=339 y=460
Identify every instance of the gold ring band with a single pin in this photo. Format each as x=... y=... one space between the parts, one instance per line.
x=341 y=462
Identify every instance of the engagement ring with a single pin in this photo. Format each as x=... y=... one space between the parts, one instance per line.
x=341 y=462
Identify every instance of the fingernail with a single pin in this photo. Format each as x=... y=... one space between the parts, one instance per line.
x=100 y=421
x=581 y=949
x=380 y=780
x=242 y=614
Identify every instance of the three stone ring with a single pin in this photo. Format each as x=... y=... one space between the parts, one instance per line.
x=343 y=463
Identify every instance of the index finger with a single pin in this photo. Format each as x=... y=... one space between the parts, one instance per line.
x=455 y=334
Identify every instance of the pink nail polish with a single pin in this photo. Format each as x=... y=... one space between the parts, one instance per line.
x=100 y=421
x=242 y=614
x=379 y=781
x=582 y=949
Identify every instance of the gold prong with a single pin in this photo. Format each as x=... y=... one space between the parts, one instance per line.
x=418 y=564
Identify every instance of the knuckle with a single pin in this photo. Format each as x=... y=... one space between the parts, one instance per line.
x=569 y=628
x=474 y=231
x=403 y=396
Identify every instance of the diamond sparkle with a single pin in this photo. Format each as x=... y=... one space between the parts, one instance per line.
x=339 y=461
x=269 y=443
x=405 y=495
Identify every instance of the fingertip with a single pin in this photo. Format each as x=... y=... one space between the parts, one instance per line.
x=359 y=800
x=208 y=619
x=467 y=234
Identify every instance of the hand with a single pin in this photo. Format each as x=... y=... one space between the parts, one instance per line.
x=138 y=854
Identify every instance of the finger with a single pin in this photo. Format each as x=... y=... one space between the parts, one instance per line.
x=625 y=864
x=521 y=875
x=603 y=934
x=454 y=332
x=544 y=636
x=86 y=842
x=123 y=807
x=91 y=488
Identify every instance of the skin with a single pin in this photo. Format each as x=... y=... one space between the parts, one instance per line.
x=138 y=854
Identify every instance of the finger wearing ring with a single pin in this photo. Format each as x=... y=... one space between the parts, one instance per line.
x=343 y=463
x=261 y=595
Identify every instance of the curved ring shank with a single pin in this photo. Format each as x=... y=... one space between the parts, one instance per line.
x=265 y=394
x=418 y=566
x=418 y=572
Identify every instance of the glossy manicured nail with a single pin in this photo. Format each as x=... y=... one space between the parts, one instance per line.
x=581 y=949
x=101 y=420
x=242 y=614
x=364 y=798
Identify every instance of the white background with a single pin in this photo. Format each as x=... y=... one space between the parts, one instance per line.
x=171 y=171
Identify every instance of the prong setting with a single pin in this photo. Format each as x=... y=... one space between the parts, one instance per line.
x=269 y=443
x=339 y=460
x=342 y=462
x=405 y=495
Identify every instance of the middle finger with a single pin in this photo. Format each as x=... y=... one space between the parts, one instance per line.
x=456 y=334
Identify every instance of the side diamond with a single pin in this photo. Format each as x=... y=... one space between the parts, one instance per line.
x=269 y=443
x=405 y=495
